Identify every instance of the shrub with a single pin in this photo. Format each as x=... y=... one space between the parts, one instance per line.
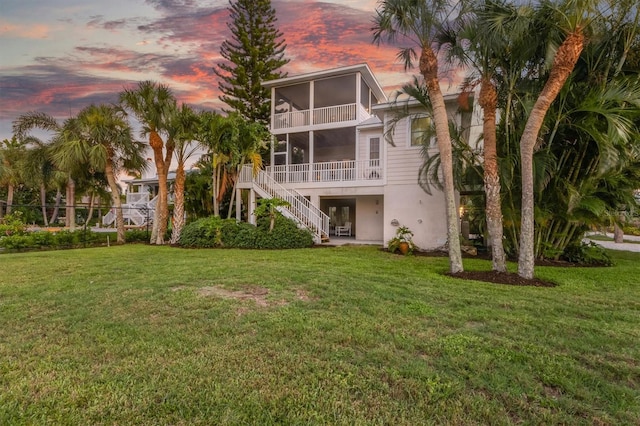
x=587 y=254
x=12 y=224
x=205 y=232
x=137 y=236
x=285 y=234
x=631 y=230
x=42 y=238
x=52 y=240
x=217 y=232
x=17 y=242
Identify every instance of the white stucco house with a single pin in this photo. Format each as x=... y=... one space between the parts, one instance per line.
x=331 y=162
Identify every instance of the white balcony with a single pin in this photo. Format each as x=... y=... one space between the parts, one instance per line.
x=326 y=115
x=328 y=172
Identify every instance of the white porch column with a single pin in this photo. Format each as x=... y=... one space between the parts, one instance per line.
x=252 y=206
x=238 y=204
x=311 y=103
x=311 y=165
x=315 y=200
x=273 y=106
x=358 y=93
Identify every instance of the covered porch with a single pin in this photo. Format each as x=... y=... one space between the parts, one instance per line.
x=362 y=171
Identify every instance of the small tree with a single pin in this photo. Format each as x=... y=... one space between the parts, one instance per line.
x=268 y=207
x=253 y=54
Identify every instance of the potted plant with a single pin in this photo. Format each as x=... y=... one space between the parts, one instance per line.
x=402 y=242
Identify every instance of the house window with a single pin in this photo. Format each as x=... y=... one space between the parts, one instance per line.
x=420 y=129
x=374 y=148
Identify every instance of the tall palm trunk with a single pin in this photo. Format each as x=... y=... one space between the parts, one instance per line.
x=429 y=70
x=115 y=199
x=235 y=186
x=489 y=103
x=92 y=199
x=70 y=211
x=43 y=203
x=164 y=213
x=160 y=214
x=178 y=204
x=216 y=183
x=10 y=191
x=563 y=64
x=56 y=207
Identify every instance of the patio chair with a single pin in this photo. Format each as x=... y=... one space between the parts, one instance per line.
x=344 y=231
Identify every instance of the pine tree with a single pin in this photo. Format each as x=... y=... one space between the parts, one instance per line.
x=254 y=54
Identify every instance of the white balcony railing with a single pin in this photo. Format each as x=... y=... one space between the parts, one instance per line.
x=325 y=115
x=291 y=119
x=332 y=171
x=334 y=114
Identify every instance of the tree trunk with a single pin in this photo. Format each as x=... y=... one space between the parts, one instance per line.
x=563 y=64
x=43 y=204
x=178 y=204
x=9 y=198
x=235 y=186
x=91 y=205
x=429 y=69
x=156 y=143
x=115 y=199
x=618 y=234
x=216 y=182
x=70 y=211
x=489 y=102
x=56 y=207
x=163 y=217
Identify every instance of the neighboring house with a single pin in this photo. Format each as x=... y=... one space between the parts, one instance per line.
x=331 y=162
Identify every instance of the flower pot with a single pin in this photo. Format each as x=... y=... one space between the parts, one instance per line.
x=403 y=247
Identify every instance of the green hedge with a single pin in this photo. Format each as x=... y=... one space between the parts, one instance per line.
x=65 y=239
x=217 y=232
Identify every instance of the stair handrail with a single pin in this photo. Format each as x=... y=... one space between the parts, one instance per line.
x=300 y=207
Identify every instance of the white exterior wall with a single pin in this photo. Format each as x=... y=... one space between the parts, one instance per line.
x=424 y=214
x=370 y=218
x=404 y=200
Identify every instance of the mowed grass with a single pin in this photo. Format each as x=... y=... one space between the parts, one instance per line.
x=349 y=335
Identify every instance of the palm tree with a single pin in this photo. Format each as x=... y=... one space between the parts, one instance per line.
x=572 y=17
x=151 y=103
x=219 y=135
x=61 y=133
x=12 y=155
x=182 y=128
x=104 y=142
x=478 y=39
x=39 y=170
x=251 y=141
x=419 y=22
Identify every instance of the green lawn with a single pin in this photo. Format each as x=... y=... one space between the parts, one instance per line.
x=349 y=335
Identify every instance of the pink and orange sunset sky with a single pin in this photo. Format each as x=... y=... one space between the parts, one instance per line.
x=58 y=56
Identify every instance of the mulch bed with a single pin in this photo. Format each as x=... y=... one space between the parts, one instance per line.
x=507 y=278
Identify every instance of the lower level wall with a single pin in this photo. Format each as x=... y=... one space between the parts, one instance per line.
x=424 y=214
x=370 y=217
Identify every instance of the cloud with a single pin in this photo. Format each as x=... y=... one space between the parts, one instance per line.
x=33 y=31
x=180 y=48
x=54 y=90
